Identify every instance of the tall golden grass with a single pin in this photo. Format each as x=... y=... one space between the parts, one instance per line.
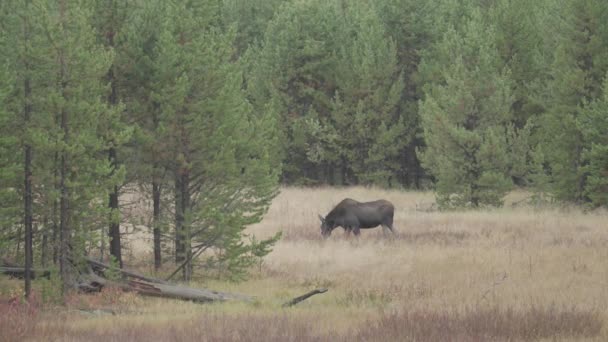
x=516 y=273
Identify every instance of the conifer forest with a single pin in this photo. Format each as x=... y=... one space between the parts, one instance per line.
x=218 y=129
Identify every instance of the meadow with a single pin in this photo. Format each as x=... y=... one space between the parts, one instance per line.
x=520 y=272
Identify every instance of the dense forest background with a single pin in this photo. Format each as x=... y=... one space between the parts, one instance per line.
x=207 y=106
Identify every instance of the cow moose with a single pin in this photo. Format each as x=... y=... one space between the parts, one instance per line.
x=353 y=216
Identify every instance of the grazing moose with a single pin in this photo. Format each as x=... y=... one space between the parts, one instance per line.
x=353 y=216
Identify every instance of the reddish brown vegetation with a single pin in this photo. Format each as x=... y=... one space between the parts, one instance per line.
x=479 y=324
x=17 y=318
x=473 y=324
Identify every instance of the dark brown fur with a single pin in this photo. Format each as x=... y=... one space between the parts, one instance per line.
x=353 y=216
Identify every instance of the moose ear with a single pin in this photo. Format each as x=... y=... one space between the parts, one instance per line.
x=321 y=218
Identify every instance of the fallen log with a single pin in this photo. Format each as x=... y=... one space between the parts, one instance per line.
x=303 y=297
x=100 y=265
x=19 y=272
x=167 y=290
x=91 y=281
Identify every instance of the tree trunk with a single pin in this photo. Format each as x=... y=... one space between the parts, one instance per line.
x=19 y=240
x=64 y=205
x=114 y=232
x=55 y=217
x=64 y=216
x=183 y=246
x=156 y=194
x=179 y=220
x=27 y=172
x=44 y=255
x=187 y=270
x=27 y=165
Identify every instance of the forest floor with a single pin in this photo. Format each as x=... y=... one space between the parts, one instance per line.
x=515 y=273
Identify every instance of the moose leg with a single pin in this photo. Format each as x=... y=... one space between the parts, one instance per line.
x=389 y=224
x=347 y=230
x=356 y=231
x=386 y=227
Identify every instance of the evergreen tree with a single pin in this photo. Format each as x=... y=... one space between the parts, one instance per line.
x=149 y=163
x=332 y=73
x=579 y=65
x=518 y=41
x=371 y=131
x=110 y=18
x=465 y=119
x=294 y=74
x=219 y=148
x=10 y=191
x=76 y=96
x=593 y=125
x=250 y=19
x=25 y=60
x=409 y=24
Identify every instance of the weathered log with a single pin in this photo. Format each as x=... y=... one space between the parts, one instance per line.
x=19 y=272
x=97 y=312
x=91 y=281
x=167 y=290
x=304 y=297
x=135 y=275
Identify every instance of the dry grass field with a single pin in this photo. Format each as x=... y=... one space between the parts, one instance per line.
x=510 y=274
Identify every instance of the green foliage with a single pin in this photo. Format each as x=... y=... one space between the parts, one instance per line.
x=259 y=249
x=334 y=78
x=50 y=289
x=518 y=42
x=234 y=261
x=371 y=130
x=201 y=129
x=294 y=72
x=466 y=117
x=593 y=125
x=576 y=74
x=113 y=273
x=10 y=212
x=213 y=102
x=250 y=19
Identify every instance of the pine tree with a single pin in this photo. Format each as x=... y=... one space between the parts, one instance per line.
x=27 y=60
x=250 y=19
x=579 y=65
x=331 y=72
x=110 y=19
x=24 y=116
x=371 y=130
x=84 y=176
x=10 y=194
x=593 y=125
x=149 y=164
x=465 y=119
x=219 y=149
x=294 y=73
x=518 y=40
x=408 y=23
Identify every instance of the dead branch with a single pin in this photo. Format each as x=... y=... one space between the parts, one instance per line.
x=96 y=264
x=167 y=290
x=497 y=282
x=304 y=297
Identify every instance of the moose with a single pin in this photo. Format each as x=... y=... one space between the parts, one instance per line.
x=353 y=216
